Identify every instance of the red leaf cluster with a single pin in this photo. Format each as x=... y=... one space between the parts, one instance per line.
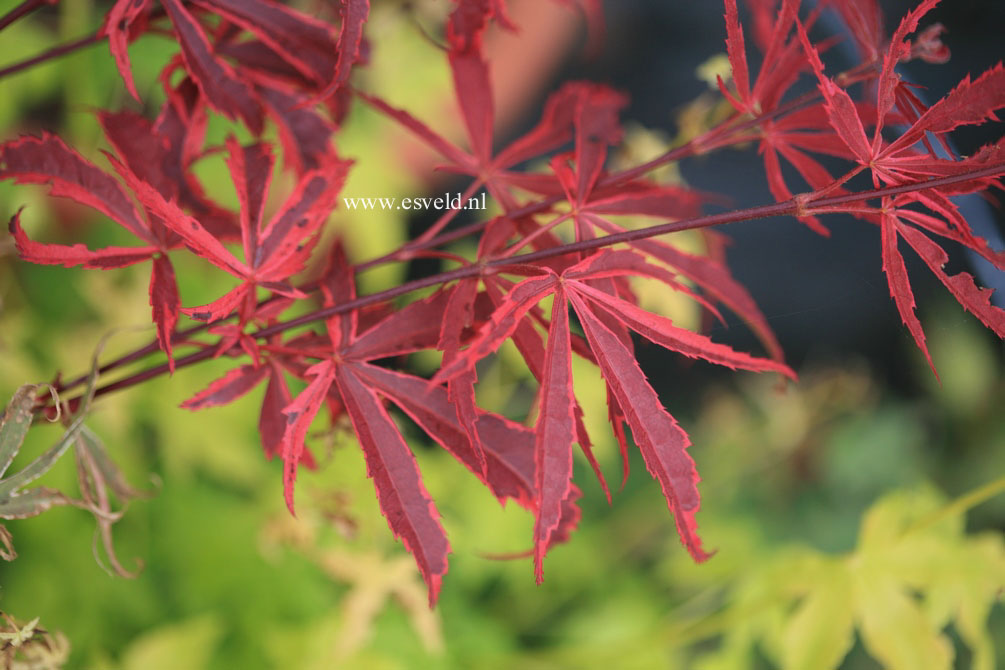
x=257 y=60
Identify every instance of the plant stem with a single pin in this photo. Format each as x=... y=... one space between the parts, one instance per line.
x=419 y=244
x=25 y=8
x=960 y=505
x=686 y=150
x=703 y=142
x=792 y=207
x=55 y=52
x=62 y=49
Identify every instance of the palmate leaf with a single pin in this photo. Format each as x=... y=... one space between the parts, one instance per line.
x=899 y=590
x=47 y=160
x=793 y=134
x=360 y=389
x=271 y=254
x=596 y=126
x=900 y=162
x=473 y=92
x=291 y=57
x=662 y=442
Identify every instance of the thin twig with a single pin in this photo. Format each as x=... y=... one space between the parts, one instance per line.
x=55 y=52
x=25 y=8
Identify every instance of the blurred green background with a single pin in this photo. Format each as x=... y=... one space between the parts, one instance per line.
x=230 y=580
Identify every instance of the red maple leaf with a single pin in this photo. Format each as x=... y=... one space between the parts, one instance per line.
x=901 y=162
x=47 y=160
x=273 y=252
x=346 y=376
x=290 y=59
x=662 y=442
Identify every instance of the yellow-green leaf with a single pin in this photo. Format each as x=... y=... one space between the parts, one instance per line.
x=188 y=644
x=821 y=630
x=894 y=628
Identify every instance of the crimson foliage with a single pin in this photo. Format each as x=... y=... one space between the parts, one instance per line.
x=258 y=60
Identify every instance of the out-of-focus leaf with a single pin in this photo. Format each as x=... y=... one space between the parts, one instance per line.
x=894 y=627
x=821 y=630
x=41 y=465
x=113 y=477
x=915 y=572
x=15 y=423
x=7 y=553
x=188 y=644
x=31 y=503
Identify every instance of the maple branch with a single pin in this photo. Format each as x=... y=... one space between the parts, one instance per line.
x=151 y=347
x=838 y=200
x=691 y=148
x=55 y=52
x=795 y=206
x=60 y=50
x=25 y=8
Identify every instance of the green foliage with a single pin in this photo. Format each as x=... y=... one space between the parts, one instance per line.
x=913 y=573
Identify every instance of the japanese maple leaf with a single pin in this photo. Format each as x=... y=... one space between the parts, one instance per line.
x=896 y=224
x=783 y=61
x=662 y=442
x=900 y=162
x=160 y=153
x=473 y=91
x=508 y=468
x=288 y=39
x=304 y=133
x=361 y=387
x=596 y=127
x=793 y=135
x=552 y=131
x=47 y=160
x=271 y=254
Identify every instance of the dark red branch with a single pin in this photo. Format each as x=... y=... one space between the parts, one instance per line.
x=25 y=8
x=791 y=207
x=788 y=208
x=55 y=52
x=404 y=253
